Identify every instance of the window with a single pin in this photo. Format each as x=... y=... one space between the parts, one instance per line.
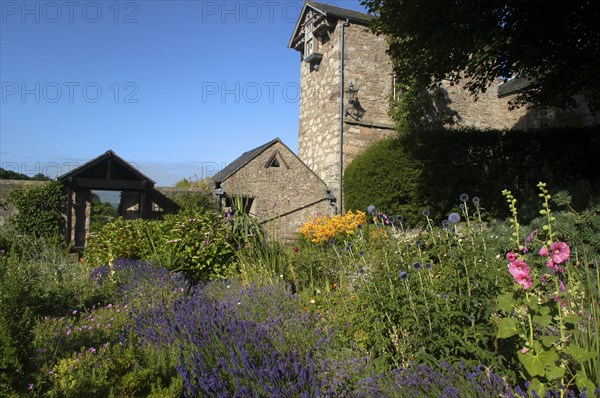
x=274 y=162
x=312 y=42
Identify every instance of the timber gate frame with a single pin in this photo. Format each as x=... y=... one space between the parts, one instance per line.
x=109 y=172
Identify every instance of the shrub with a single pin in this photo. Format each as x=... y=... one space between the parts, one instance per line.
x=324 y=228
x=386 y=176
x=195 y=244
x=39 y=210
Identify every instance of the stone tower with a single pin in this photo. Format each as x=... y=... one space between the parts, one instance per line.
x=345 y=85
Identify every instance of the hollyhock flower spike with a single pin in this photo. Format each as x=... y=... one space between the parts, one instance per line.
x=560 y=252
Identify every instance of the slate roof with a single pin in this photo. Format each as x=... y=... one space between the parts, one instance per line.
x=342 y=13
x=241 y=161
x=330 y=11
x=127 y=170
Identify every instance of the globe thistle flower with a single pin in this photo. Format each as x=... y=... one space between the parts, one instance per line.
x=371 y=209
x=445 y=224
x=476 y=201
x=454 y=218
x=418 y=243
x=426 y=213
x=428 y=265
x=399 y=218
x=464 y=197
x=403 y=275
x=417 y=265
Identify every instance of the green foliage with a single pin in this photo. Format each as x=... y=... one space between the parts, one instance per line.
x=195 y=244
x=30 y=289
x=194 y=195
x=101 y=213
x=13 y=175
x=195 y=201
x=386 y=176
x=120 y=239
x=410 y=296
x=422 y=169
x=39 y=209
x=91 y=350
x=552 y=300
x=496 y=39
x=419 y=108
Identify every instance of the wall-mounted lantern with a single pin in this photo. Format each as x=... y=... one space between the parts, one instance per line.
x=355 y=110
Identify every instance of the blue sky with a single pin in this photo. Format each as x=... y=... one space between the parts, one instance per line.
x=177 y=88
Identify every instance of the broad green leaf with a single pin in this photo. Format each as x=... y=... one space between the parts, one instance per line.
x=532 y=363
x=544 y=320
x=506 y=302
x=532 y=303
x=548 y=341
x=507 y=328
x=544 y=310
x=554 y=372
x=582 y=381
x=572 y=319
x=578 y=353
x=537 y=360
x=537 y=386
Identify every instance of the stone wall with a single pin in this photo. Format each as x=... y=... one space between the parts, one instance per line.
x=284 y=197
x=491 y=111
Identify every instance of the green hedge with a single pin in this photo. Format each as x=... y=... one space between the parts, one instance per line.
x=429 y=169
x=386 y=176
x=39 y=210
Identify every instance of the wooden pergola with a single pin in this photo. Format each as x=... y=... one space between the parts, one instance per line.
x=108 y=172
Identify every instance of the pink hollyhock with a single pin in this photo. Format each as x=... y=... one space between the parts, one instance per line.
x=518 y=266
x=560 y=252
x=543 y=251
x=523 y=279
x=511 y=256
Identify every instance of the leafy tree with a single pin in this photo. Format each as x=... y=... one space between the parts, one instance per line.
x=102 y=213
x=12 y=175
x=554 y=44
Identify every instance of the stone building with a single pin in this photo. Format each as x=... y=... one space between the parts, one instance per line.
x=275 y=186
x=347 y=81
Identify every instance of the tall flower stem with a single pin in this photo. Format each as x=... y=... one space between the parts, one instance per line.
x=426 y=301
x=412 y=304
